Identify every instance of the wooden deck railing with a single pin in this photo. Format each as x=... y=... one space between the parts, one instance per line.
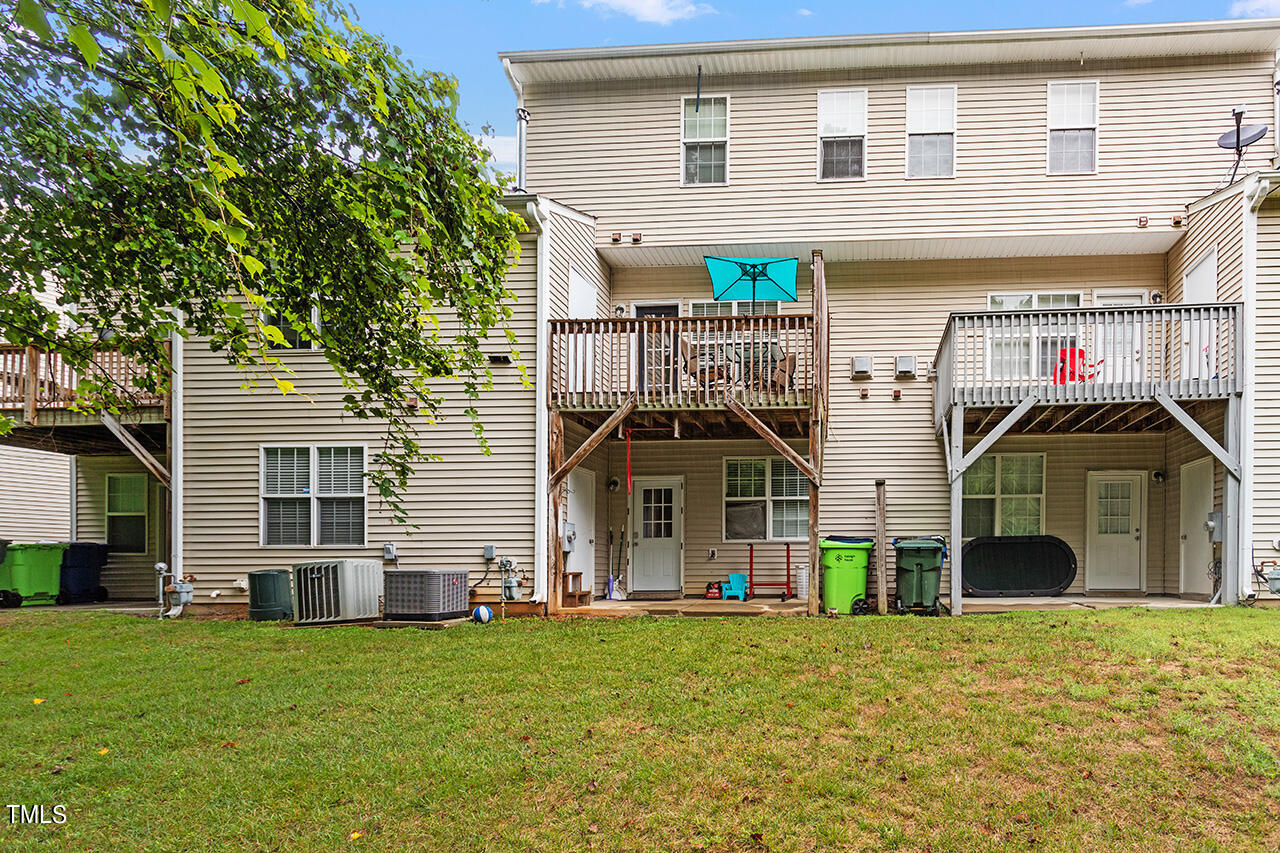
x=683 y=362
x=32 y=380
x=1103 y=355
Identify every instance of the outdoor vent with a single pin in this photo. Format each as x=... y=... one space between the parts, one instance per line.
x=335 y=590
x=905 y=366
x=861 y=368
x=425 y=594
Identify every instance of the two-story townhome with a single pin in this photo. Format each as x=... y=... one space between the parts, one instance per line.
x=1031 y=297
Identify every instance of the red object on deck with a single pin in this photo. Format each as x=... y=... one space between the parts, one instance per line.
x=1074 y=367
x=787 y=591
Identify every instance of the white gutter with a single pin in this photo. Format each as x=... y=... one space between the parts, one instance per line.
x=540 y=220
x=522 y=125
x=176 y=454
x=1254 y=196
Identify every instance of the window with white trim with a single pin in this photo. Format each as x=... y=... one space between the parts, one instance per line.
x=1004 y=495
x=729 y=308
x=127 y=513
x=293 y=337
x=766 y=499
x=931 y=131
x=704 y=140
x=313 y=495
x=1073 y=128
x=1028 y=352
x=842 y=134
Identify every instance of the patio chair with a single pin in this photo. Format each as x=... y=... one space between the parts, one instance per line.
x=784 y=373
x=735 y=587
x=707 y=377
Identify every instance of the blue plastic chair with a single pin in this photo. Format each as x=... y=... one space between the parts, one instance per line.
x=736 y=586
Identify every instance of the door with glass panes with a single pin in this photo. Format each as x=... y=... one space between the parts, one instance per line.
x=1021 y=348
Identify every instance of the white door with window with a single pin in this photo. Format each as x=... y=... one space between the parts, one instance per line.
x=1114 y=542
x=1195 y=548
x=581 y=355
x=582 y=515
x=657 y=534
x=1118 y=340
x=1200 y=287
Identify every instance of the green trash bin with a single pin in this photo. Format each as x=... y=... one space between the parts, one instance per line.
x=270 y=598
x=844 y=574
x=31 y=574
x=919 y=574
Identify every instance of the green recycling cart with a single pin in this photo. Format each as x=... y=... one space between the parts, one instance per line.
x=844 y=574
x=919 y=574
x=31 y=574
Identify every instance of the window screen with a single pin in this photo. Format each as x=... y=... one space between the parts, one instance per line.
x=305 y=483
x=931 y=132
x=1073 y=127
x=705 y=139
x=127 y=513
x=842 y=131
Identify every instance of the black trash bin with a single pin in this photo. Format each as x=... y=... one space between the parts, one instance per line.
x=81 y=578
x=270 y=596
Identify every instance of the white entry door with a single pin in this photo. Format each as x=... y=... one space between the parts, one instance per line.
x=1114 y=539
x=580 y=359
x=1119 y=341
x=582 y=515
x=1195 y=548
x=1199 y=341
x=657 y=520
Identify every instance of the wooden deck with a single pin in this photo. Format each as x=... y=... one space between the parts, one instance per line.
x=41 y=386
x=1094 y=366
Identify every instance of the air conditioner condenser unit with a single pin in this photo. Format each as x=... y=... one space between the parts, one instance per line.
x=425 y=594
x=336 y=590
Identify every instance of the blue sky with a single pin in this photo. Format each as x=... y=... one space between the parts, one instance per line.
x=463 y=38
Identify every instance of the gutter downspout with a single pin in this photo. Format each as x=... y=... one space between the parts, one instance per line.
x=522 y=125
x=1254 y=196
x=540 y=220
x=73 y=497
x=176 y=461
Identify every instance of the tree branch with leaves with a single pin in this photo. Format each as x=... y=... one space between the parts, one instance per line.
x=216 y=169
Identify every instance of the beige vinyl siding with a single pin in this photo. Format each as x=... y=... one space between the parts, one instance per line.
x=126 y=576
x=886 y=309
x=573 y=243
x=458 y=504
x=1157 y=122
x=1266 y=441
x=701 y=463
x=35 y=489
x=1220 y=226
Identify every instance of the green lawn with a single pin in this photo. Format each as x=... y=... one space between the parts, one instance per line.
x=1122 y=730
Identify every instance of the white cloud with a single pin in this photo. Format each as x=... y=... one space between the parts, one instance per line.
x=662 y=12
x=503 y=149
x=1136 y=2
x=1255 y=8
x=807 y=12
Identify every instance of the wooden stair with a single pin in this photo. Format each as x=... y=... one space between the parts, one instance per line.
x=573 y=594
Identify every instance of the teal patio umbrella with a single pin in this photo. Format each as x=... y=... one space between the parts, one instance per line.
x=753 y=279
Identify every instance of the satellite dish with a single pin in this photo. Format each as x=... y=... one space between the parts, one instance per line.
x=1242 y=138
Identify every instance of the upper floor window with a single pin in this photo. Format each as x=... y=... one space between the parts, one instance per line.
x=842 y=134
x=293 y=338
x=704 y=136
x=1073 y=128
x=931 y=132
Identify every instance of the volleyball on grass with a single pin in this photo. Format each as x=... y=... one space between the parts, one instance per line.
x=482 y=614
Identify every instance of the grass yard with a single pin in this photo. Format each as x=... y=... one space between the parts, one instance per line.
x=1116 y=730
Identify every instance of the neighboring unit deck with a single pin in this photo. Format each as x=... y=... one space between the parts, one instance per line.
x=1097 y=367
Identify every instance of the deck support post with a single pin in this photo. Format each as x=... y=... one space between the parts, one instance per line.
x=957 y=510
x=31 y=379
x=882 y=550
x=1232 y=511
x=1229 y=460
x=555 y=584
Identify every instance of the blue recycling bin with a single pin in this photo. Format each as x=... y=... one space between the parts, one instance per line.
x=82 y=565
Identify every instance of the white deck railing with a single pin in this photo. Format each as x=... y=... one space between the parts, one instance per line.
x=682 y=362
x=1087 y=355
